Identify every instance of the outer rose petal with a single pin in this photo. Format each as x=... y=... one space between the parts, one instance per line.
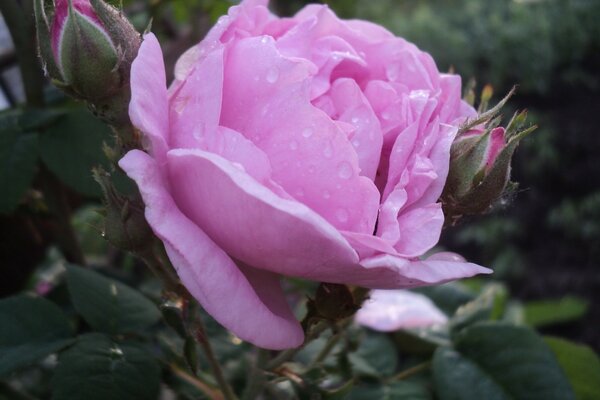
x=423 y=273
x=148 y=109
x=248 y=302
x=391 y=310
x=252 y=223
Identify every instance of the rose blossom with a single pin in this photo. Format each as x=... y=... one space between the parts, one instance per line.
x=307 y=146
x=392 y=310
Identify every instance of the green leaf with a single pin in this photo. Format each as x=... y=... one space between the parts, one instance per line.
x=18 y=162
x=493 y=360
x=376 y=356
x=581 y=365
x=422 y=341
x=448 y=297
x=97 y=368
x=108 y=305
x=31 y=328
x=399 y=390
x=73 y=146
x=548 y=312
x=489 y=305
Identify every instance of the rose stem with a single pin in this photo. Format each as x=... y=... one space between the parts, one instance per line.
x=256 y=377
x=289 y=354
x=210 y=355
x=407 y=373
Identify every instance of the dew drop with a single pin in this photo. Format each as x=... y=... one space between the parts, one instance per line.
x=308 y=132
x=272 y=75
x=326 y=194
x=356 y=143
x=386 y=115
x=341 y=215
x=264 y=40
x=345 y=170
x=180 y=104
x=355 y=120
x=293 y=145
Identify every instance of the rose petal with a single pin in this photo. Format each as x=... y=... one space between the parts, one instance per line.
x=367 y=139
x=420 y=230
x=253 y=224
x=249 y=303
x=422 y=273
x=266 y=97
x=148 y=106
x=195 y=104
x=391 y=310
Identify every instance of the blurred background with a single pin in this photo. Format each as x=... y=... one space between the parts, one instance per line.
x=544 y=244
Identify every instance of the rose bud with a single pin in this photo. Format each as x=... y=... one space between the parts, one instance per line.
x=87 y=49
x=480 y=163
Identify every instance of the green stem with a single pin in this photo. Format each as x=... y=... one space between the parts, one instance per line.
x=213 y=394
x=287 y=355
x=202 y=339
x=256 y=377
x=21 y=25
x=331 y=342
x=407 y=373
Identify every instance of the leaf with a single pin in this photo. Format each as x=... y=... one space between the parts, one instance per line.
x=108 y=305
x=97 y=368
x=31 y=329
x=73 y=146
x=18 y=164
x=422 y=341
x=448 y=297
x=399 y=390
x=494 y=361
x=548 y=312
x=581 y=365
x=376 y=356
x=489 y=305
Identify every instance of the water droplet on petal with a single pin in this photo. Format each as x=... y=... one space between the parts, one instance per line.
x=355 y=120
x=180 y=104
x=308 y=132
x=264 y=39
x=386 y=115
x=272 y=75
x=326 y=194
x=356 y=143
x=293 y=145
x=341 y=215
x=345 y=170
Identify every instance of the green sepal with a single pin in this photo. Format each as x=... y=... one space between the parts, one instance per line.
x=44 y=41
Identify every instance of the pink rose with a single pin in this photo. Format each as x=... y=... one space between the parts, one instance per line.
x=307 y=146
x=392 y=310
